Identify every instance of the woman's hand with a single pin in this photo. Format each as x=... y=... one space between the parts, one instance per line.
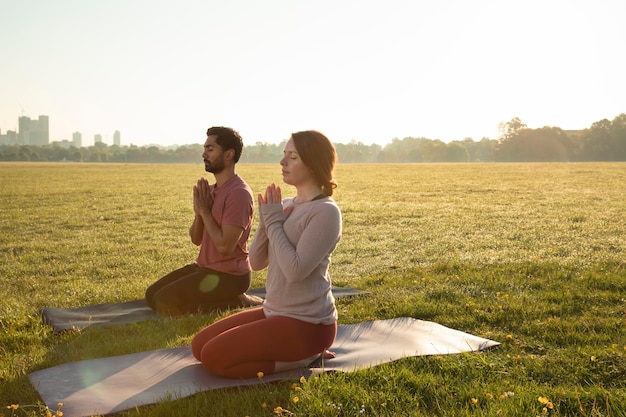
x=272 y=195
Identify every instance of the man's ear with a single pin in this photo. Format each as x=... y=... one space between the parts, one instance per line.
x=230 y=154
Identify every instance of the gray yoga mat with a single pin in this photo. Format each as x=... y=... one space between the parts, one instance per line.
x=113 y=384
x=128 y=312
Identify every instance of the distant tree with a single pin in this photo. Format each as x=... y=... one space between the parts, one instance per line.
x=383 y=156
x=618 y=137
x=486 y=149
x=597 y=141
x=480 y=151
x=29 y=153
x=189 y=153
x=507 y=149
x=356 y=152
x=457 y=152
x=415 y=155
x=155 y=154
x=135 y=154
x=535 y=145
x=510 y=128
x=604 y=140
x=408 y=149
x=76 y=156
x=9 y=152
x=548 y=144
x=262 y=152
x=434 y=151
x=394 y=151
x=470 y=147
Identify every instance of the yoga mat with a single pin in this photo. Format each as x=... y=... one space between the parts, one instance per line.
x=108 y=385
x=128 y=312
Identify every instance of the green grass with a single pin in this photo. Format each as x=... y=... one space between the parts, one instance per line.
x=530 y=255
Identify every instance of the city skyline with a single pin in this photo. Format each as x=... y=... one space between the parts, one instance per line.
x=363 y=71
x=32 y=131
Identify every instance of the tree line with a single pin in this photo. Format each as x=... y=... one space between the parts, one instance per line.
x=604 y=140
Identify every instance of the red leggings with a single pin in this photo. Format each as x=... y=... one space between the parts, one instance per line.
x=246 y=343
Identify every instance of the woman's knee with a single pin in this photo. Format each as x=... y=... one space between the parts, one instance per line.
x=212 y=359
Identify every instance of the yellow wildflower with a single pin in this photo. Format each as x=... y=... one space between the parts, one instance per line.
x=260 y=374
x=543 y=400
x=489 y=396
x=295 y=400
x=474 y=400
x=278 y=410
x=302 y=379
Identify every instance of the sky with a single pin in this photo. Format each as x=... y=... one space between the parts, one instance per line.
x=162 y=72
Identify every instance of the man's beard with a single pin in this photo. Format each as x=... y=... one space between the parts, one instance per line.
x=214 y=168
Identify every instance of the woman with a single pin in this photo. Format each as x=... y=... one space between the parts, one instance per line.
x=294 y=240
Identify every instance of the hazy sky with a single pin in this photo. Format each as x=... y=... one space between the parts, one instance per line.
x=161 y=72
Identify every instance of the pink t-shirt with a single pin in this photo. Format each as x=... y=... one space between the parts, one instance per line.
x=233 y=204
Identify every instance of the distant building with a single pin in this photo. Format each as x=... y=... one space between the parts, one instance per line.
x=117 y=138
x=77 y=139
x=97 y=139
x=33 y=132
x=9 y=138
x=65 y=144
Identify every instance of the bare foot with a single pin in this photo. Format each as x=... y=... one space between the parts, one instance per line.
x=250 y=300
x=328 y=354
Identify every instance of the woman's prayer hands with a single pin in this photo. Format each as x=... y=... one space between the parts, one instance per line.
x=272 y=195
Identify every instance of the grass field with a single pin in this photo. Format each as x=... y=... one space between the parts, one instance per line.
x=530 y=255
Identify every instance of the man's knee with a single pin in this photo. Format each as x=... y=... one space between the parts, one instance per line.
x=166 y=306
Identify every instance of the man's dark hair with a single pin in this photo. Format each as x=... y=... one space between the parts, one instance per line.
x=227 y=138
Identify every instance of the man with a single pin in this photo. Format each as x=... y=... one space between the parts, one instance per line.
x=221 y=227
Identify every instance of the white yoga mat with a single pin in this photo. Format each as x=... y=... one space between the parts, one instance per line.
x=113 y=384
